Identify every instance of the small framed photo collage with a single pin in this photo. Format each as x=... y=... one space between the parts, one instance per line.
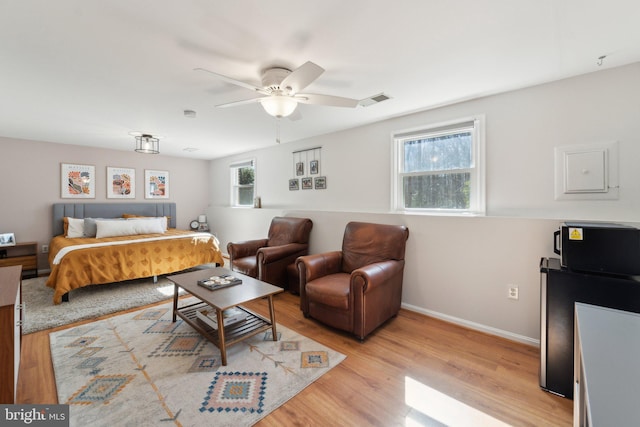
x=306 y=168
x=79 y=182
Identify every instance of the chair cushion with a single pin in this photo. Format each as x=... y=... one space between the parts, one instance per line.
x=331 y=290
x=246 y=265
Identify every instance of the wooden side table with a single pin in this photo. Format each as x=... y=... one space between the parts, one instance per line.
x=23 y=254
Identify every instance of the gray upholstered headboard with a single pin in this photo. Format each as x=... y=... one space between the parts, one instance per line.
x=110 y=210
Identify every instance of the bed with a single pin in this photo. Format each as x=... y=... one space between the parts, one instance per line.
x=98 y=243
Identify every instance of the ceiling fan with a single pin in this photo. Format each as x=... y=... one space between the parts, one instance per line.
x=281 y=89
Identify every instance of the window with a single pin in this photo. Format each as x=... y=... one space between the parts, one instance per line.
x=242 y=183
x=439 y=168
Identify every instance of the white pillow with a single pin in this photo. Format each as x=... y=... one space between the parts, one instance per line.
x=128 y=228
x=164 y=221
x=75 y=227
x=90 y=227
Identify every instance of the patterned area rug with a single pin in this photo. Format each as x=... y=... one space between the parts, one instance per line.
x=141 y=368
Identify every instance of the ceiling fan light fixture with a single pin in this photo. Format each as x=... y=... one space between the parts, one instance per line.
x=279 y=106
x=147 y=144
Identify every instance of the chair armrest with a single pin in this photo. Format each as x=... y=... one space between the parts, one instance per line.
x=311 y=267
x=246 y=248
x=270 y=254
x=317 y=265
x=375 y=275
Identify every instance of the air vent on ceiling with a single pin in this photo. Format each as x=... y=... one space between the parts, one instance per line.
x=374 y=99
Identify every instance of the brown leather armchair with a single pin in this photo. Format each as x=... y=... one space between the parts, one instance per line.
x=268 y=259
x=359 y=288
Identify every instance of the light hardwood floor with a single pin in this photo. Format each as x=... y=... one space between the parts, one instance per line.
x=493 y=375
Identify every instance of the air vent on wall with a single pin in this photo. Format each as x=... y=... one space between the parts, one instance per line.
x=374 y=99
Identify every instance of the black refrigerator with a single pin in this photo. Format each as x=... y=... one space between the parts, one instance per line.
x=560 y=289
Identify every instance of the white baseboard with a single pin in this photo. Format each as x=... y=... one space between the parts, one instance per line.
x=473 y=325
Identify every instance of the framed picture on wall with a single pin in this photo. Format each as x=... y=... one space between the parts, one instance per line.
x=77 y=181
x=294 y=184
x=307 y=183
x=320 y=182
x=156 y=184
x=313 y=167
x=299 y=169
x=121 y=183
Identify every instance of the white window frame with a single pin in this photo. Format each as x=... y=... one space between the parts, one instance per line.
x=477 y=203
x=234 y=186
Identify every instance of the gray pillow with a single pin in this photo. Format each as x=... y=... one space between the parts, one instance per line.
x=91 y=228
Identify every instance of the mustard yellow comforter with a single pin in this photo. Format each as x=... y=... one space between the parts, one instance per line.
x=107 y=264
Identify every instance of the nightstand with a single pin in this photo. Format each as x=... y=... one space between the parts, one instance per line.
x=24 y=254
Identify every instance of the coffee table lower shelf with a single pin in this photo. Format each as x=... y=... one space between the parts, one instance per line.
x=253 y=325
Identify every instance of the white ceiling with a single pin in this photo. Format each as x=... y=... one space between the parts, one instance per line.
x=90 y=72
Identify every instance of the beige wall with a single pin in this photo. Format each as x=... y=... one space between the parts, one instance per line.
x=457 y=268
x=30 y=177
x=460 y=268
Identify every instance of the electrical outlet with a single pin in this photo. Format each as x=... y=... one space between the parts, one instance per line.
x=513 y=292
x=45 y=249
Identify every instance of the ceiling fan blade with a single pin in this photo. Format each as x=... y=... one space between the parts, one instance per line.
x=301 y=77
x=238 y=103
x=330 y=100
x=233 y=81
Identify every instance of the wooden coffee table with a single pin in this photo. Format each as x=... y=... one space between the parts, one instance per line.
x=222 y=299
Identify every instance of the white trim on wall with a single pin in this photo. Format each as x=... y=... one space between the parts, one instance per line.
x=473 y=325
